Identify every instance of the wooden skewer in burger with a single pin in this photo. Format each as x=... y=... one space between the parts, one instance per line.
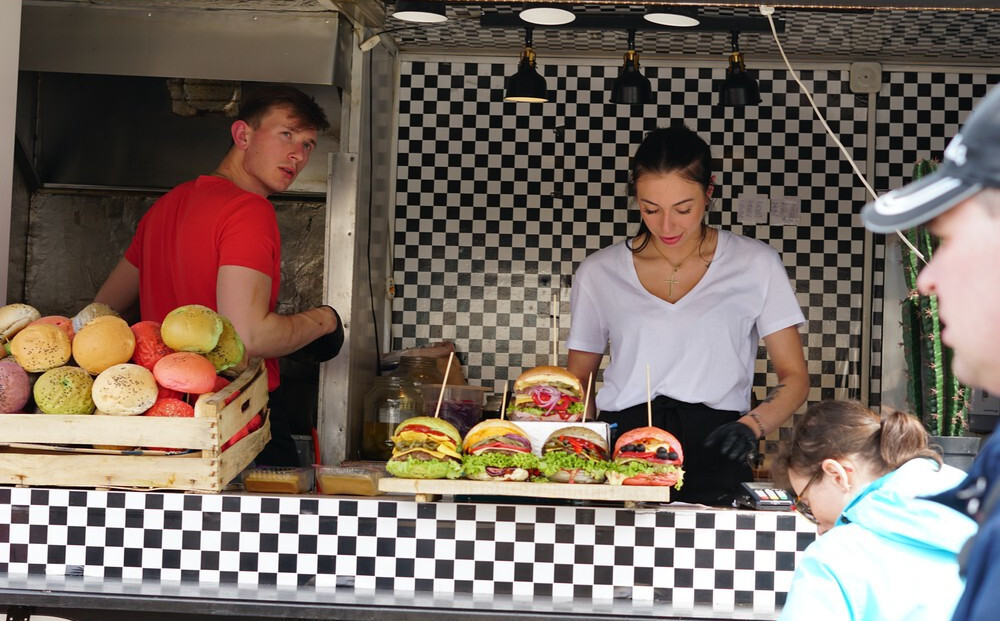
x=647 y=455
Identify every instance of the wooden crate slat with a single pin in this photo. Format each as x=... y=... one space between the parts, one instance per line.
x=188 y=433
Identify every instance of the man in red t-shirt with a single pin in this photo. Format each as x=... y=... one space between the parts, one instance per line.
x=214 y=241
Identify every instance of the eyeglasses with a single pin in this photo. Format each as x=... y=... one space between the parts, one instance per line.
x=801 y=506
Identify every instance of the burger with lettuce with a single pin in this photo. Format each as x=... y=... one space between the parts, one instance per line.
x=425 y=447
x=547 y=393
x=498 y=450
x=575 y=455
x=647 y=456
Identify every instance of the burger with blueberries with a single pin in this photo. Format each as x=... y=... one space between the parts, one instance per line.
x=647 y=456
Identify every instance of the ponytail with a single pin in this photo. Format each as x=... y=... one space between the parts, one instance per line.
x=838 y=429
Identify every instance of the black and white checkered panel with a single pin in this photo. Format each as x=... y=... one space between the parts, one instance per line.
x=497 y=203
x=686 y=557
x=917 y=114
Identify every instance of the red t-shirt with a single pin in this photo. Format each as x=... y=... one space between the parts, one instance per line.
x=191 y=231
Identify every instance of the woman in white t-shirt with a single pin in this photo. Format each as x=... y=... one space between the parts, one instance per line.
x=692 y=302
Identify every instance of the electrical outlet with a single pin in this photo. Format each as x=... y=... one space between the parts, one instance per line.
x=866 y=78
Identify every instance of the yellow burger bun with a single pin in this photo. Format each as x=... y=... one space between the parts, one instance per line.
x=193 y=327
x=102 y=343
x=40 y=347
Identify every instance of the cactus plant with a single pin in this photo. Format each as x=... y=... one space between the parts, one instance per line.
x=936 y=396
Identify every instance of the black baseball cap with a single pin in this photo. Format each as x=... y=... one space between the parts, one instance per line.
x=971 y=163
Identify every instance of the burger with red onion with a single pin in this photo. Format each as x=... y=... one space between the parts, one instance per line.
x=647 y=456
x=498 y=450
x=575 y=455
x=547 y=393
x=425 y=447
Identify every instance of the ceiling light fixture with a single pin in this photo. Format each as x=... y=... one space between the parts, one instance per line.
x=527 y=85
x=631 y=87
x=547 y=15
x=419 y=11
x=678 y=17
x=738 y=89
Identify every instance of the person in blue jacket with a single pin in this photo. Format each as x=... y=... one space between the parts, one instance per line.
x=883 y=553
x=960 y=205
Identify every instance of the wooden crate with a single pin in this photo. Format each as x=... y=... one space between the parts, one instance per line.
x=52 y=449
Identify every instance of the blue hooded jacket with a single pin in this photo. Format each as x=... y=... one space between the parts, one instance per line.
x=890 y=556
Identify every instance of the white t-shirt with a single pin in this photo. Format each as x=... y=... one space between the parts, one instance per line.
x=700 y=349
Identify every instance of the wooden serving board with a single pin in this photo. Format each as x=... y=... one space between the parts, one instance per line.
x=427 y=490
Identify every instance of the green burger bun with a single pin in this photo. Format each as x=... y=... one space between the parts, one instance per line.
x=425 y=448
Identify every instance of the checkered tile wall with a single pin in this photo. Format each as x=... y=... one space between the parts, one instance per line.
x=684 y=556
x=497 y=203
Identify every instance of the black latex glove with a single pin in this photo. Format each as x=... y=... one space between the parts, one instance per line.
x=327 y=346
x=735 y=440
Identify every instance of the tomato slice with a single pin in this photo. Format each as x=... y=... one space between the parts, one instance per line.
x=424 y=429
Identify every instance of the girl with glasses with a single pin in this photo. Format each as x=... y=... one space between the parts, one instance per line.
x=885 y=553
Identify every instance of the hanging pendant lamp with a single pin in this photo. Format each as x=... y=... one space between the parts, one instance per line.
x=526 y=85
x=631 y=87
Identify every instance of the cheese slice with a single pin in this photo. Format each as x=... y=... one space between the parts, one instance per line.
x=442 y=452
x=519 y=399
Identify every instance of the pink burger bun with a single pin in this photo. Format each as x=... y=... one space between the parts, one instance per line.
x=185 y=372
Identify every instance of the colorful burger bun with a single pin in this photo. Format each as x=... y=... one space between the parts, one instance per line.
x=547 y=393
x=425 y=447
x=14 y=317
x=647 y=456
x=193 y=327
x=498 y=450
x=575 y=455
x=102 y=343
x=185 y=371
x=124 y=390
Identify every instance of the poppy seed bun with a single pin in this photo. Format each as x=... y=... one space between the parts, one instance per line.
x=63 y=323
x=102 y=343
x=551 y=376
x=124 y=390
x=15 y=387
x=186 y=372
x=64 y=390
x=14 y=317
x=193 y=327
x=91 y=312
x=40 y=347
x=229 y=351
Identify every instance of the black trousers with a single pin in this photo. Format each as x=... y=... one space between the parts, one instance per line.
x=281 y=450
x=709 y=478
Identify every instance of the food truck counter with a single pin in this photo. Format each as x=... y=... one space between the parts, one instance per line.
x=307 y=555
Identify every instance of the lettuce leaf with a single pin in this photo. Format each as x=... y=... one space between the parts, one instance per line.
x=411 y=468
x=476 y=464
x=554 y=461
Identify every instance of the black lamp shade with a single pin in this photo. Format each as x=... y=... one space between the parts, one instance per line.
x=526 y=85
x=420 y=11
x=738 y=89
x=631 y=87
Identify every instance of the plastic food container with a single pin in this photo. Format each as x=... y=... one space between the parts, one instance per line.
x=277 y=480
x=461 y=406
x=340 y=480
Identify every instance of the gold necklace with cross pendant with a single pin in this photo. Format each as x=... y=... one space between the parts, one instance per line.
x=673 y=280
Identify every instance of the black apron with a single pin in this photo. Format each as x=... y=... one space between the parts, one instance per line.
x=709 y=478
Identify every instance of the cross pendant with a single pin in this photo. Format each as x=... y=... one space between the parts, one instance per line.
x=671 y=281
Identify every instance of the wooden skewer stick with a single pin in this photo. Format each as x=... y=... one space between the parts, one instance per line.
x=649 y=400
x=503 y=401
x=586 y=396
x=447 y=371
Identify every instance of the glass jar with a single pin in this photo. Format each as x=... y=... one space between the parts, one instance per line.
x=390 y=401
x=419 y=369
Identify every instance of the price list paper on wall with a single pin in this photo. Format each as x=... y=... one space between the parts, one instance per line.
x=752 y=208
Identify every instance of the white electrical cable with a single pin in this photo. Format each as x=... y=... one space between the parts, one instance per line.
x=768 y=11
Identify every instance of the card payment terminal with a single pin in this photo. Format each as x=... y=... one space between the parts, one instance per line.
x=764 y=496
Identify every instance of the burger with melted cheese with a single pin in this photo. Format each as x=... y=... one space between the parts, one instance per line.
x=498 y=450
x=575 y=455
x=547 y=393
x=647 y=456
x=425 y=448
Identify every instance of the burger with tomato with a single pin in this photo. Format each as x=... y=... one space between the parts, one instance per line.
x=425 y=447
x=575 y=455
x=547 y=393
x=647 y=456
x=498 y=450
